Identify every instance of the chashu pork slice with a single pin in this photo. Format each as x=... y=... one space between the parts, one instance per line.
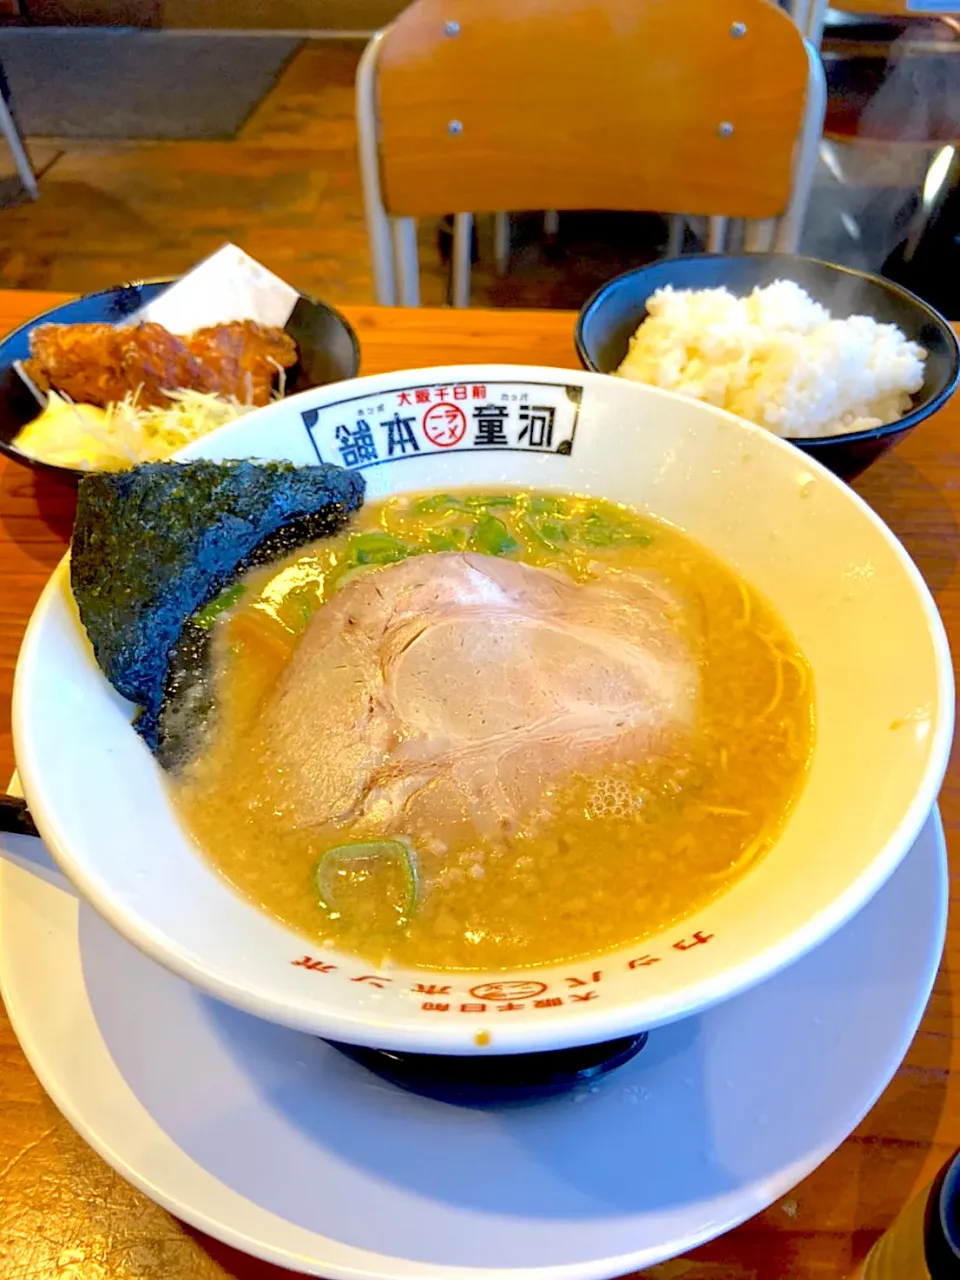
x=449 y=692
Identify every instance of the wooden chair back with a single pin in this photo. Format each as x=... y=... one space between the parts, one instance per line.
x=674 y=105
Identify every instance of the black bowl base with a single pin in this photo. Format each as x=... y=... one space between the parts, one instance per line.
x=495 y=1079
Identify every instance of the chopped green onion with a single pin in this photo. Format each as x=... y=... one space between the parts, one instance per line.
x=538 y=535
x=553 y=532
x=212 y=610
x=597 y=531
x=454 y=539
x=493 y=537
x=541 y=502
x=297 y=607
x=352 y=862
x=483 y=500
x=437 y=502
x=378 y=548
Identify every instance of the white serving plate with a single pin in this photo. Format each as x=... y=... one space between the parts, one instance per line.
x=272 y=1142
x=854 y=600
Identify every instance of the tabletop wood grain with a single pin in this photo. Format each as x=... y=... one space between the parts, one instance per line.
x=65 y=1214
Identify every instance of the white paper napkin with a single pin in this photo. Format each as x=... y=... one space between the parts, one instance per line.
x=229 y=285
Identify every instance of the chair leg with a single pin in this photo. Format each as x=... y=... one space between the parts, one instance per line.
x=15 y=141
x=407 y=259
x=806 y=150
x=501 y=242
x=551 y=222
x=759 y=235
x=675 y=234
x=816 y=19
x=379 y=231
x=460 y=263
x=799 y=11
x=716 y=233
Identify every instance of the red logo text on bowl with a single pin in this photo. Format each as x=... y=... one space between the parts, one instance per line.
x=508 y=990
x=444 y=425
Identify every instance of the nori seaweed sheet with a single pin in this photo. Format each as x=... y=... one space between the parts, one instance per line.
x=153 y=545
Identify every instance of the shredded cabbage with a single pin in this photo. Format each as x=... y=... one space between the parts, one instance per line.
x=124 y=434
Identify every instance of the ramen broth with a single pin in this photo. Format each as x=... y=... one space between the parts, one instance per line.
x=581 y=858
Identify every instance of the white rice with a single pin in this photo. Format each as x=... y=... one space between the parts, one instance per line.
x=776 y=358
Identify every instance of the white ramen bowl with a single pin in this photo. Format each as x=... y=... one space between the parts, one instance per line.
x=844 y=585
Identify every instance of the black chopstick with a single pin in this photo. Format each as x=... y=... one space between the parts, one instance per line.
x=15 y=817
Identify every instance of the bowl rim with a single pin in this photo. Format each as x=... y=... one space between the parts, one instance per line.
x=362 y=1027
x=887 y=429
x=72 y=475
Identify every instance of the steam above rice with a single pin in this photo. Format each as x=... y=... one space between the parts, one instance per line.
x=776 y=358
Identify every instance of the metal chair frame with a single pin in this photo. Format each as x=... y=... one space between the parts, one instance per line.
x=393 y=240
x=11 y=131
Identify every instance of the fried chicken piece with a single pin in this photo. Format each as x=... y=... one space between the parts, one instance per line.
x=241 y=359
x=98 y=364
x=155 y=361
x=82 y=360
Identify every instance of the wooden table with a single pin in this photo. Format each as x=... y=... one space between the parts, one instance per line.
x=64 y=1213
